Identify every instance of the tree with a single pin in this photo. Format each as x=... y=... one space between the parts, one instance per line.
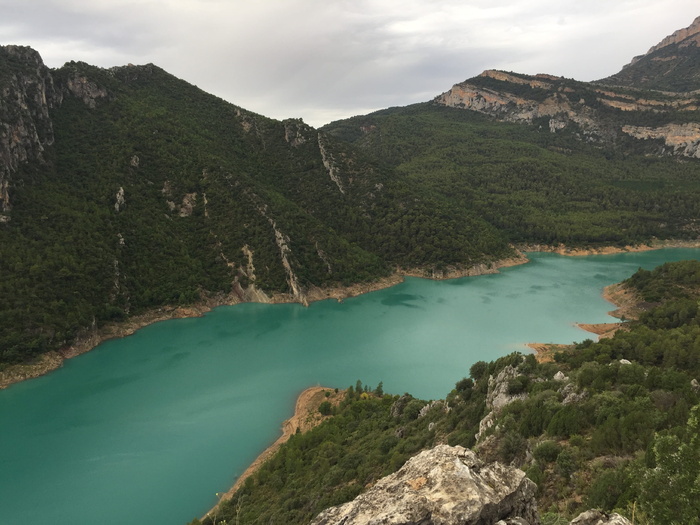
x=670 y=492
x=478 y=370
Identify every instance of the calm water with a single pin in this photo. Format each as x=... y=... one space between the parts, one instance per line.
x=148 y=428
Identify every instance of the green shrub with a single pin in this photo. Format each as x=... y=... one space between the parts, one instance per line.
x=547 y=451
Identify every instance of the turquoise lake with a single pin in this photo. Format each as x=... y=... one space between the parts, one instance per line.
x=147 y=429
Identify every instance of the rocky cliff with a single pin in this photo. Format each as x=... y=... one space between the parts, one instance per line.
x=26 y=94
x=593 y=113
x=609 y=111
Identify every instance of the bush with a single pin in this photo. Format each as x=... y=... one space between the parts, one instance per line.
x=478 y=370
x=512 y=445
x=518 y=385
x=547 y=451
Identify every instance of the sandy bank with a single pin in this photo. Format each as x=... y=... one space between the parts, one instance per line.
x=306 y=416
x=562 y=249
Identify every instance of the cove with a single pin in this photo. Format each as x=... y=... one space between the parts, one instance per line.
x=147 y=429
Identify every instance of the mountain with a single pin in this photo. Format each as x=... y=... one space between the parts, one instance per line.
x=628 y=118
x=126 y=190
x=671 y=65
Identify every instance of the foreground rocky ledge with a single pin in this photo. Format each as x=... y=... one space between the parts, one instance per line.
x=451 y=486
x=444 y=485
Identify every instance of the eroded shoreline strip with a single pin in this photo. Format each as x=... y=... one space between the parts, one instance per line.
x=90 y=339
x=53 y=360
x=627 y=307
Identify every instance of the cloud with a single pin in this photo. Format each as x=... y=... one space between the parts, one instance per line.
x=324 y=60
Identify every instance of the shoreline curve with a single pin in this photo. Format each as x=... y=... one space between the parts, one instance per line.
x=306 y=416
x=91 y=338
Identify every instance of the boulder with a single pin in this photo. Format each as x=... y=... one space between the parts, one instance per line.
x=442 y=486
x=596 y=517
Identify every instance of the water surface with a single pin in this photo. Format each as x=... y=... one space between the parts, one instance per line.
x=147 y=429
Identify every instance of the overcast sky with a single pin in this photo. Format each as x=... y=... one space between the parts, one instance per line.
x=322 y=60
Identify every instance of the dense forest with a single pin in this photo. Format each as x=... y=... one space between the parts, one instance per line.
x=533 y=185
x=610 y=424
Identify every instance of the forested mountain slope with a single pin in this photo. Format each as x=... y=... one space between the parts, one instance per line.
x=127 y=189
x=535 y=185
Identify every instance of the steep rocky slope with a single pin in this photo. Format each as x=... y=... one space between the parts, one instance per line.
x=670 y=65
x=26 y=130
x=661 y=123
x=608 y=111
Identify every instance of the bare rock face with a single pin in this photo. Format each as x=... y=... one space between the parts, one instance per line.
x=596 y=517
x=498 y=397
x=26 y=94
x=442 y=486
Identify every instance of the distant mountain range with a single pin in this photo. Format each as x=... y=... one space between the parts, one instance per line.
x=125 y=190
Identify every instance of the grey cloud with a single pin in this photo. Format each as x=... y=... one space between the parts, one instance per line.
x=325 y=60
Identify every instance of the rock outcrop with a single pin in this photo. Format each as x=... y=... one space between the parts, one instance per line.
x=594 y=113
x=596 y=517
x=26 y=94
x=680 y=139
x=445 y=485
x=497 y=397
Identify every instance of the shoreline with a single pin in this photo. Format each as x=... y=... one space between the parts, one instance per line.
x=91 y=338
x=306 y=416
x=627 y=307
x=655 y=244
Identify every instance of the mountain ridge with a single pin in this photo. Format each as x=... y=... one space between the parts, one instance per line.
x=671 y=65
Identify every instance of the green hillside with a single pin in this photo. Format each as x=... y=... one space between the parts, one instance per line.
x=530 y=184
x=127 y=189
x=153 y=192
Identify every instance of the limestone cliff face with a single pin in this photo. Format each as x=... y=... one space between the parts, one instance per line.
x=507 y=101
x=610 y=110
x=680 y=139
x=683 y=37
x=595 y=113
x=445 y=485
x=26 y=95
